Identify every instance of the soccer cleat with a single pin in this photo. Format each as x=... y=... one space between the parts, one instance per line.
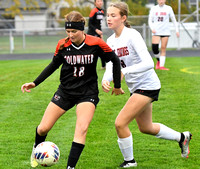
x=128 y=164
x=184 y=145
x=34 y=163
x=163 y=68
x=158 y=65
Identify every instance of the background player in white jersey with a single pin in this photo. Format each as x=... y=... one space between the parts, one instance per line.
x=159 y=24
x=142 y=81
x=78 y=54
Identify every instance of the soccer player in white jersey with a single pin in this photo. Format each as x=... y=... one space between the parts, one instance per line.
x=143 y=83
x=159 y=24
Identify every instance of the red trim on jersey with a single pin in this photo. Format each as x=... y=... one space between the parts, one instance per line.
x=95 y=10
x=60 y=42
x=89 y=40
x=92 y=40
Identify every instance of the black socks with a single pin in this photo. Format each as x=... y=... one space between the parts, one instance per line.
x=39 y=139
x=74 y=154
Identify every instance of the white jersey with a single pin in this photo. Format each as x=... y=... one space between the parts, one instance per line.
x=136 y=62
x=159 y=20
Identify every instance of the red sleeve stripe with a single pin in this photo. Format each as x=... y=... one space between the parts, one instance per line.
x=92 y=40
x=61 y=42
x=93 y=11
x=106 y=48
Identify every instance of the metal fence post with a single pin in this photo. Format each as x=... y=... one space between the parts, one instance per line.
x=144 y=32
x=24 y=39
x=11 y=42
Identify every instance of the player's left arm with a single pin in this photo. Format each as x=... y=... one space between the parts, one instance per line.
x=92 y=18
x=150 y=19
x=173 y=18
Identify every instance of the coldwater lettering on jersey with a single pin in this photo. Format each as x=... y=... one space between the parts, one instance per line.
x=79 y=59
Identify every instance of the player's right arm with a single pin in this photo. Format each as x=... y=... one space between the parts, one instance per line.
x=55 y=63
x=43 y=75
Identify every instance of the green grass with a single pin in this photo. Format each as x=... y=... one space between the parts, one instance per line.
x=178 y=107
x=33 y=44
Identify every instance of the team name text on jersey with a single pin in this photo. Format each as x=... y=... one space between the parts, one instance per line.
x=79 y=59
x=123 y=51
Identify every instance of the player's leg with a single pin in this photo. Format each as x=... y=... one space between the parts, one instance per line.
x=84 y=112
x=51 y=115
x=155 y=49
x=145 y=124
x=134 y=106
x=164 y=41
x=144 y=121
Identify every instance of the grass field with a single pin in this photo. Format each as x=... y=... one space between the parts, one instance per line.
x=32 y=44
x=178 y=107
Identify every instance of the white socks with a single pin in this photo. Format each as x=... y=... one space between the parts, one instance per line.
x=168 y=133
x=162 y=61
x=126 y=147
x=126 y=144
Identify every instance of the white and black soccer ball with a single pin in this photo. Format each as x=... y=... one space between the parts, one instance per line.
x=47 y=153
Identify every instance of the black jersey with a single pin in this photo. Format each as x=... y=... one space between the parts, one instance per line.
x=78 y=73
x=95 y=21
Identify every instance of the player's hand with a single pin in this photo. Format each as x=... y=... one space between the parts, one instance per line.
x=153 y=31
x=106 y=86
x=99 y=32
x=117 y=91
x=177 y=34
x=27 y=86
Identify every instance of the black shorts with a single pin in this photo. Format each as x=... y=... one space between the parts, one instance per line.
x=162 y=36
x=66 y=101
x=150 y=93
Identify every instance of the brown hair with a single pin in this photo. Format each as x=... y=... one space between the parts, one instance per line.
x=73 y=16
x=123 y=7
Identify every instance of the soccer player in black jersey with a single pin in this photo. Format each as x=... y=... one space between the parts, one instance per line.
x=95 y=22
x=78 y=55
x=95 y=19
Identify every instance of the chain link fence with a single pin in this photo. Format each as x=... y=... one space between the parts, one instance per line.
x=37 y=39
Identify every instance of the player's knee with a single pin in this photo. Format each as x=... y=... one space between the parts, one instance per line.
x=42 y=130
x=155 y=49
x=118 y=125
x=82 y=129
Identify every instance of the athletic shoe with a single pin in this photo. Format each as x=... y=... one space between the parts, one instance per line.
x=184 y=145
x=128 y=164
x=163 y=68
x=158 y=65
x=34 y=163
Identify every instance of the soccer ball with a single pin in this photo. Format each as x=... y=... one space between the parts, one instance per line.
x=47 y=154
